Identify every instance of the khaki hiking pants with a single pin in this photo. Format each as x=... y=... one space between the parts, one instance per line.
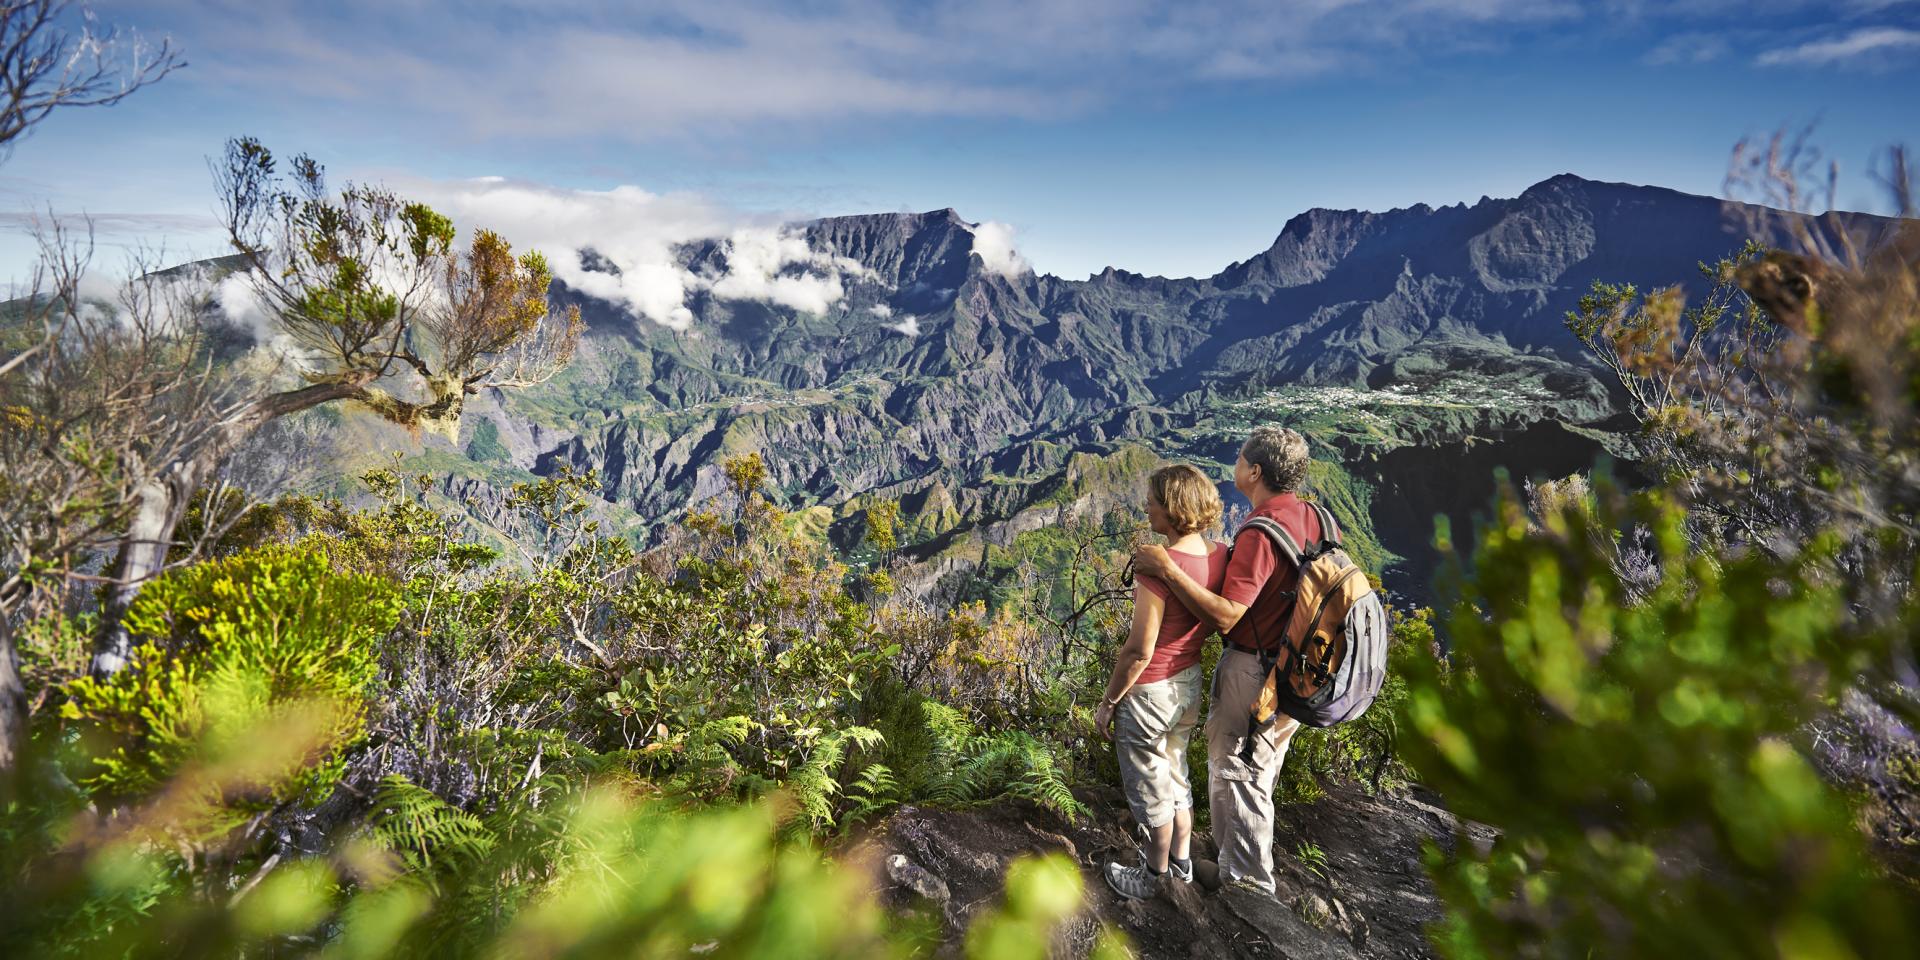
x=1151 y=728
x=1240 y=792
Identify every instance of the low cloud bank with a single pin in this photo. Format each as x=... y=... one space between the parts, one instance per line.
x=618 y=245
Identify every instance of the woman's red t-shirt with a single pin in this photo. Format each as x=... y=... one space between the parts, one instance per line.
x=1181 y=633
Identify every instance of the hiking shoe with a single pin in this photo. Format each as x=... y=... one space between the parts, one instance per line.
x=1134 y=883
x=1182 y=870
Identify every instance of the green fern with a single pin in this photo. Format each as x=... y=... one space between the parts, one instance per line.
x=425 y=830
x=1042 y=781
x=974 y=768
x=1313 y=858
x=816 y=782
x=874 y=790
x=700 y=762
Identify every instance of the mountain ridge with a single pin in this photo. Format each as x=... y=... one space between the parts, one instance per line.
x=1431 y=326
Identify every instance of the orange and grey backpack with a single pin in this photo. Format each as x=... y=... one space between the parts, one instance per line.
x=1332 y=655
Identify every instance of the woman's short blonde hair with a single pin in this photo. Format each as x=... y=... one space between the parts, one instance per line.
x=1191 y=500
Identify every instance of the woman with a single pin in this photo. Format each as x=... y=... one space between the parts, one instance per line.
x=1153 y=701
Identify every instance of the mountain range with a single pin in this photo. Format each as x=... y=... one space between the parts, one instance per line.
x=1420 y=349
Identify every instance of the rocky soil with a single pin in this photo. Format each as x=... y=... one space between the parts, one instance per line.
x=1366 y=896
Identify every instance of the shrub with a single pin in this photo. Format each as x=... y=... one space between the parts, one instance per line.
x=575 y=864
x=1641 y=759
x=225 y=645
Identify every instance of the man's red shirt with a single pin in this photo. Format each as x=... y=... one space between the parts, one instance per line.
x=1255 y=561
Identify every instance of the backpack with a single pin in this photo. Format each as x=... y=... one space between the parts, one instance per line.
x=1332 y=655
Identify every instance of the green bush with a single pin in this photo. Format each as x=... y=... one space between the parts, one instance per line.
x=226 y=645
x=1642 y=758
x=576 y=865
x=596 y=752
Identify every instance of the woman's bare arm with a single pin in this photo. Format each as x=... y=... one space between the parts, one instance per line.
x=1134 y=655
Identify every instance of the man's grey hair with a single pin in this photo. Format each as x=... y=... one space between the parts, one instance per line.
x=1281 y=455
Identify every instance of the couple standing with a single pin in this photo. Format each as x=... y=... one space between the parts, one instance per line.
x=1184 y=592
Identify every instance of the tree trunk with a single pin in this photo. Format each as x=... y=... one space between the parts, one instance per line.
x=13 y=709
x=143 y=554
x=163 y=502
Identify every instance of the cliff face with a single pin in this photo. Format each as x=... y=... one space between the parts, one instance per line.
x=1434 y=328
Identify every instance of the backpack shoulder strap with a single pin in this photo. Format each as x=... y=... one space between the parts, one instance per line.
x=1329 y=528
x=1282 y=540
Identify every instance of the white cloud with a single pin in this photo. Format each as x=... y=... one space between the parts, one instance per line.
x=514 y=69
x=776 y=265
x=881 y=310
x=636 y=232
x=909 y=326
x=1864 y=42
x=239 y=302
x=993 y=244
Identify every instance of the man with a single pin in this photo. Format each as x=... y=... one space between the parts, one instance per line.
x=1271 y=466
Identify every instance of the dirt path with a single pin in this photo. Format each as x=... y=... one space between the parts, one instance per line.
x=1364 y=895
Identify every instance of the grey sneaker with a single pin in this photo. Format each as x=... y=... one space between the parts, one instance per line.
x=1134 y=883
x=1182 y=870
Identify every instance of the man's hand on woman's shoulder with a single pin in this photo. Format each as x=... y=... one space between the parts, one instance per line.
x=1150 y=559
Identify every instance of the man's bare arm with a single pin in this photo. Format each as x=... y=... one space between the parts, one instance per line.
x=1210 y=607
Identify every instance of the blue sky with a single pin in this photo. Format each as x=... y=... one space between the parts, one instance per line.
x=1167 y=138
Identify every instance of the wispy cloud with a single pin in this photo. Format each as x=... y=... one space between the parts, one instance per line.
x=1689 y=48
x=114 y=244
x=1866 y=43
x=106 y=227
x=661 y=69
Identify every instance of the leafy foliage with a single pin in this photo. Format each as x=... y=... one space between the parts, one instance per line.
x=371 y=287
x=1041 y=892
x=1625 y=746
x=226 y=644
x=1680 y=708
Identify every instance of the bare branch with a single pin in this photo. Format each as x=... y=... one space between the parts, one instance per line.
x=44 y=67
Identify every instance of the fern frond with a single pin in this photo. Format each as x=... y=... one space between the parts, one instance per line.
x=1011 y=764
x=424 y=829
x=816 y=782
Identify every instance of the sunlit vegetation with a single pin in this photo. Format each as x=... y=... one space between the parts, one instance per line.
x=438 y=718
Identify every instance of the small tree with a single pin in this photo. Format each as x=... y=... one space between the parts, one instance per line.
x=381 y=310
x=1649 y=717
x=97 y=393
x=1647 y=760
x=1783 y=405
